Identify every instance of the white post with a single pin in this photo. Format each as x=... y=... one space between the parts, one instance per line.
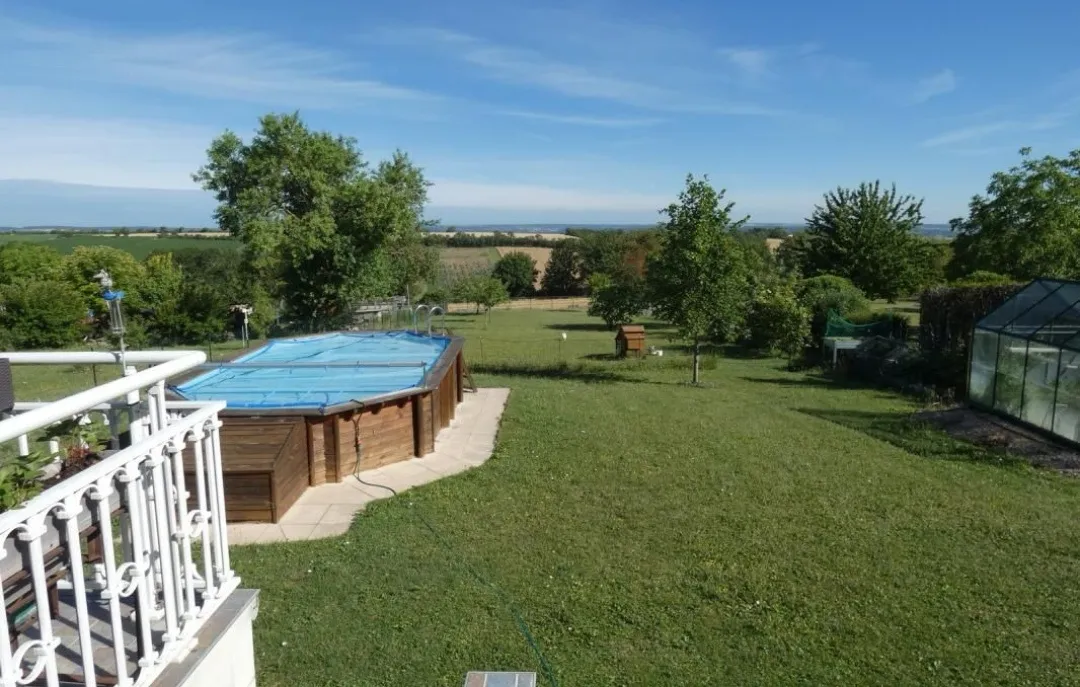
x=113 y=584
x=198 y=437
x=163 y=544
x=24 y=445
x=141 y=559
x=32 y=533
x=68 y=514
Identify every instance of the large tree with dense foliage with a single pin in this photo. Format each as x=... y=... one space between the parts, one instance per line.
x=1028 y=223
x=42 y=313
x=699 y=280
x=867 y=234
x=21 y=260
x=517 y=271
x=616 y=298
x=313 y=215
x=562 y=276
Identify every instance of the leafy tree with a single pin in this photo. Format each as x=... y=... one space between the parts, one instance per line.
x=777 y=322
x=486 y=292
x=27 y=260
x=562 y=277
x=41 y=314
x=792 y=257
x=699 y=281
x=415 y=267
x=828 y=292
x=517 y=271
x=1028 y=223
x=314 y=218
x=867 y=234
x=617 y=299
x=603 y=252
x=80 y=267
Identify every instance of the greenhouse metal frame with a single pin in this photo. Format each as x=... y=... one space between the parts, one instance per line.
x=1025 y=358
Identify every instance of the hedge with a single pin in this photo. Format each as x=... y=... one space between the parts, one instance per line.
x=947 y=319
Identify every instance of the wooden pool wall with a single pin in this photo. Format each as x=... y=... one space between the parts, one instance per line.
x=269 y=459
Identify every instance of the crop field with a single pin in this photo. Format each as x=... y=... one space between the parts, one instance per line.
x=139 y=245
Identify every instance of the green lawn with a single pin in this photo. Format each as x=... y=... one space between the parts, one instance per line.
x=909 y=308
x=139 y=246
x=768 y=528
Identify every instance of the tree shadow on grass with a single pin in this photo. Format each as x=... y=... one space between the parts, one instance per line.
x=581 y=327
x=919 y=437
x=579 y=373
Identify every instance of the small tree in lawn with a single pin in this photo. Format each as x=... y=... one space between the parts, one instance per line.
x=517 y=271
x=699 y=280
x=483 y=291
x=617 y=299
x=562 y=277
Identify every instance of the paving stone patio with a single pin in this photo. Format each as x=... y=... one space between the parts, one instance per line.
x=328 y=510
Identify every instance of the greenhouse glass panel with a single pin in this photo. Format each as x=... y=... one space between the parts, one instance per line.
x=1066 y=324
x=1041 y=313
x=1018 y=304
x=1040 y=380
x=1009 y=381
x=1067 y=408
x=984 y=350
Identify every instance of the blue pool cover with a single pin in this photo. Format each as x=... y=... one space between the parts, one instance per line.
x=364 y=365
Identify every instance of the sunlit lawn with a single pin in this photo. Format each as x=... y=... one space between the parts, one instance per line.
x=767 y=528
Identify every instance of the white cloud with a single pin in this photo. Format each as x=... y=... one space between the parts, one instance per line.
x=932 y=86
x=753 y=63
x=968 y=133
x=608 y=122
x=113 y=152
x=525 y=67
x=245 y=67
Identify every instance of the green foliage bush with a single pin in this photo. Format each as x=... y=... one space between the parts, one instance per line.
x=616 y=299
x=42 y=314
x=894 y=325
x=947 y=319
x=984 y=278
x=484 y=291
x=21 y=260
x=562 y=276
x=517 y=271
x=828 y=292
x=777 y=322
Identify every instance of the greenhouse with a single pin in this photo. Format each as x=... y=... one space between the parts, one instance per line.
x=1025 y=358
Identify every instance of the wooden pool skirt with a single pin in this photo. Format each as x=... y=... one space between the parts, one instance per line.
x=270 y=458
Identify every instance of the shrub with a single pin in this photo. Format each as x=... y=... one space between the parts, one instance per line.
x=778 y=323
x=891 y=325
x=828 y=292
x=617 y=300
x=42 y=314
x=983 y=278
x=948 y=316
x=517 y=271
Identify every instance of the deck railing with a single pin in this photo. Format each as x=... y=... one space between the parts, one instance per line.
x=153 y=514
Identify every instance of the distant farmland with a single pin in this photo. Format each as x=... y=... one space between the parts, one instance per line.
x=140 y=246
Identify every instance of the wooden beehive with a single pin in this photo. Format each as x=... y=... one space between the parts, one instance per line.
x=630 y=340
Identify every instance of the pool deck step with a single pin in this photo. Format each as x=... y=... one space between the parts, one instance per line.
x=328 y=510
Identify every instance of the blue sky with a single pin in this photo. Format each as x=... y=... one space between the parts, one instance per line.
x=552 y=112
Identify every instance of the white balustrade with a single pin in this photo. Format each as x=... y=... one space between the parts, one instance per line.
x=157 y=509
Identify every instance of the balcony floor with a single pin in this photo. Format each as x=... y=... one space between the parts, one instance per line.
x=69 y=653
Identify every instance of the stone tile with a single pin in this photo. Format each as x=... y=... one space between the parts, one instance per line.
x=340 y=514
x=273 y=533
x=335 y=494
x=444 y=464
x=474 y=455
x=325 y=530
x=297 y=532
x=304 y=515
x=246 y=533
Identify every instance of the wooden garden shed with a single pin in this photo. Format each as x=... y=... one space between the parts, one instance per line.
x=630 y=340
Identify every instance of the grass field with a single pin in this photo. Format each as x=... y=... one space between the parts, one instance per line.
x=909 y=309
x=139 y=246
x=768 y=528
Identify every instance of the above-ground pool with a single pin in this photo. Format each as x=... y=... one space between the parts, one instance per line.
x=320 y=371
x=306 y=411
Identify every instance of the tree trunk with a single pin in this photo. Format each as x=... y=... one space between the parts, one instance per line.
x=697 y=362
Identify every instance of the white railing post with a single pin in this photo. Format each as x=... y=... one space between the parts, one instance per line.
x=184 y=529
x=139 y=566
x=114 y=588
x=163 y=545
x=68 y=514
x=198 y=436
x=46 y=644
x=219 y=512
